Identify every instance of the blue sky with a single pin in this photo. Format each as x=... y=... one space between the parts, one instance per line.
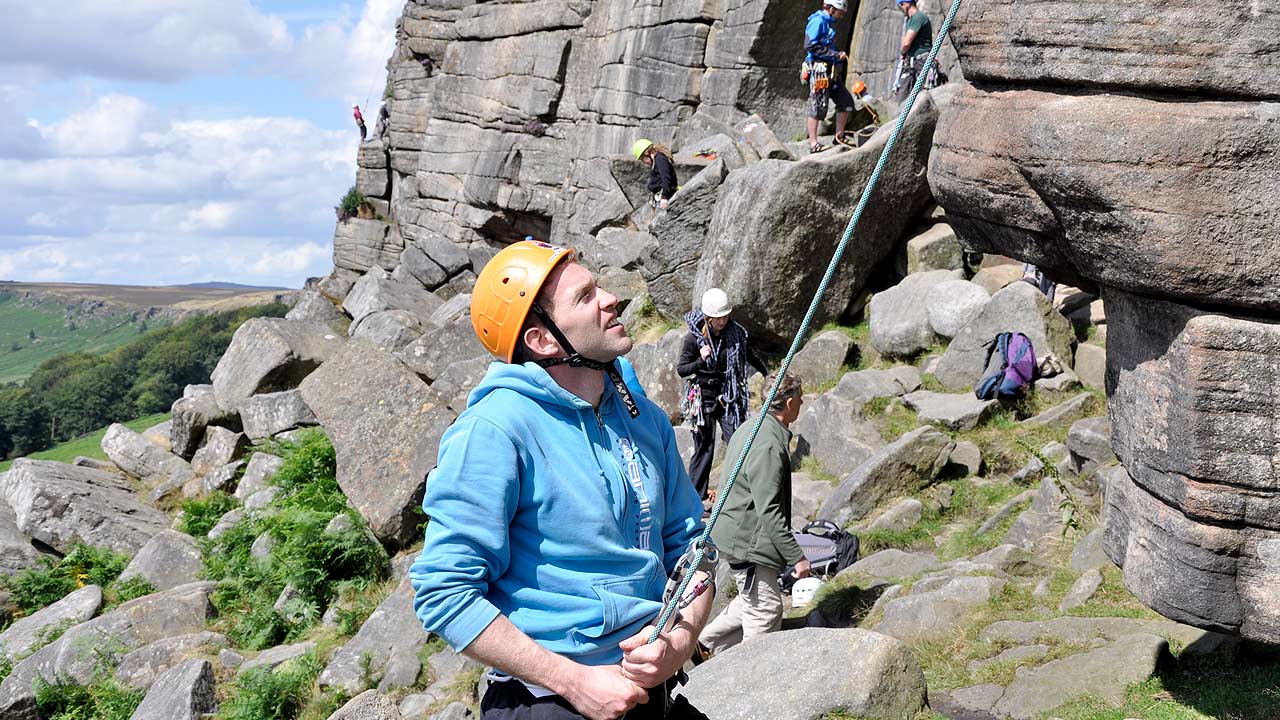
x=173 y=141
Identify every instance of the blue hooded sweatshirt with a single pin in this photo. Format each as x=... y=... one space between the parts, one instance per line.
x=820 y=38
x=564 y=520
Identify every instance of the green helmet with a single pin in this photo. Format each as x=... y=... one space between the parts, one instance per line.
x=640 y=147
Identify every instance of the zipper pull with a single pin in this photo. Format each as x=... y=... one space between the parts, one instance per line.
x=599 y=420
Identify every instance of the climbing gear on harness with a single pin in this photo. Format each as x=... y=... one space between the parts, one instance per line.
x=506 y=292
x=639 y=147
x=803 y=331
x=805 y=68
x=820 y=77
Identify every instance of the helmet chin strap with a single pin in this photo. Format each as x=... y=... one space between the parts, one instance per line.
x=576 y=359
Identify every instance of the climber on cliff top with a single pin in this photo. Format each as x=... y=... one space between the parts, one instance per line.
x=355 y=113
x=662 y=170
x=917 y=41
x=820 y=64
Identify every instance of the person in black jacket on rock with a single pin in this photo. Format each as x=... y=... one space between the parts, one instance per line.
x=662 y=170
x=714 y=361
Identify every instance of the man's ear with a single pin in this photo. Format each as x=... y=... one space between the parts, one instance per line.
x=540 y=342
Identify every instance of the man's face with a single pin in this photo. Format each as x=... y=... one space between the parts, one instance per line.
x=718 y=324
x=836 y=13
x=903 y=7
x=791 y=412
x=586 y=313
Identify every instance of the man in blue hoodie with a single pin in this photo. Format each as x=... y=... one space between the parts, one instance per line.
x=821 y=60
x=559 y=505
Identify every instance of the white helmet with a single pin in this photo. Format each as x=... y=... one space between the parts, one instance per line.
x=837 y=4
x=715 y=303
x=803 y=591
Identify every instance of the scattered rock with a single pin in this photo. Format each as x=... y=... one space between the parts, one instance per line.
x=1042 y=521
x=315 y=307
x=458 y=380
x=274 y=657
x=261 y=499
x=906 y=466
x=821 y=359
x=878 y=678
x=268 y=414
x=368 y=705
x=140 y=668
x=1091 y=366
x=159 y=434
x=899 y=319
x=28 y=633
x=1103 y=673
x=262 y=466
x=220 y=447
x=962 y=411
x=438 y=348
x=1064 y=381
x=269 y=355
x=392 y=630
x=1004 y=511
x=1029 y=653
x=971 y=703
x=953 y=304
x=376 y=291
x=655 y=365
x=16 y=551
x=196 y=410
x=901 y=516
x=892 y=564
x=62 y=505
x=935 y=614
x=1011 y=560
x=169 y=559
x=184 y=692
x=831 y=429
x=997 y=277
x=216 y=480
x=390 y=330
x=385 y=425
x=1088 y=553
x=135 y=455
x=968 y=456
x=935 y=249
x=1081 y=591
x=226 y=522
x=1089 y=441
x=1062 y=413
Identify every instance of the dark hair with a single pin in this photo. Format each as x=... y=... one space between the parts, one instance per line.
x=789 y=387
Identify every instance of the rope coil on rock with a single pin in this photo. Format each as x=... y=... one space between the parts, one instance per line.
x=700 y=546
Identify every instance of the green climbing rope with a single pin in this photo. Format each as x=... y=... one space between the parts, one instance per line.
x=723 y=495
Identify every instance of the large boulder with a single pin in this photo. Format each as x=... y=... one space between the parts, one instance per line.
x=169 y=559
x=821 y=359
x=140 y=668
x=377 y=291
x=935 y=249
x=936 y=614
x=878 y=677
x=960 y=411
x=16 y=551
x=1195 y=519
x=908 y=465
x=797 y=219
x=833 y=431
x=388 y=329
x=184 y=692
x=392 y=630
x=655 y=366
x=191 y=414
x=27 y=634
x=62 y=505
x=180 y=611
x=368 y=705
x=899 y=320
x=269 y=355
x=385 y=425
x=220 y=447
x=271 y=413
x=670 y=265
x=315 y=307
x=953 y=304
x=440 y=347
x=144 y=459
x=1022 y=173
x=1017 y=308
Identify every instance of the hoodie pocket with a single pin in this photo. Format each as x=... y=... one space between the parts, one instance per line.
x=623 y=601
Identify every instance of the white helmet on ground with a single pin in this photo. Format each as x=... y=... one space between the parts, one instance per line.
x=803 y=591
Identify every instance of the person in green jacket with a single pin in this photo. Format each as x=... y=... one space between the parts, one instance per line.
x=754 y=529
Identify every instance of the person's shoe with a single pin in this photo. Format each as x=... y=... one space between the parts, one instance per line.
x=844 y=139
x=817 y=148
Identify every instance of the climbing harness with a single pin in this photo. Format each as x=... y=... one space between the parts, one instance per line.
x=701 y=547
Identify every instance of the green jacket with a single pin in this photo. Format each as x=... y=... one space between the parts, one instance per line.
x=755 y=523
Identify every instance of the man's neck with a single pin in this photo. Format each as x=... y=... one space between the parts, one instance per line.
x=912 y=10
x=781 y=420
x=586 y=383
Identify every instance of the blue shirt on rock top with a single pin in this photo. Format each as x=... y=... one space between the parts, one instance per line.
x=565 y=520
x=820 y=38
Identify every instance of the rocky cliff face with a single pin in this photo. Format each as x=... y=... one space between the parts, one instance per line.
x=1101 y=146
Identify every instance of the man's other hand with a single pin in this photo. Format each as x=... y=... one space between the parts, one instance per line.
x=602 y=692
x=803 y=569
x=649 y=665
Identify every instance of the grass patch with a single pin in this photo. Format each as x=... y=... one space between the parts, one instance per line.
x=892 y=418
x=280 y=694
x=36 y=588
x=648 y=324
x=199 y=515
x=89 y=445
x=104 y=699
x=33 y=331
x=303 y=555
x=811 y=467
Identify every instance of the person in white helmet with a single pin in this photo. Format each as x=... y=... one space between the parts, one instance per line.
x=821 y=60
x=714 y=361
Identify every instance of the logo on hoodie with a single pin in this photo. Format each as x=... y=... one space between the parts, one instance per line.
x=644 y=518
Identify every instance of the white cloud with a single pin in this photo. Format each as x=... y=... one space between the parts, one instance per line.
x=155 y=40
x=340 y=59
x=289 y=260
x=111 y=126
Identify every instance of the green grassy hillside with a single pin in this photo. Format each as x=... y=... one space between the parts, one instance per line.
x=89 y=445
x=32 y=333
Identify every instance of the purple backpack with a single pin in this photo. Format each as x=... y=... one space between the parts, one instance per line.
x=1011 y=365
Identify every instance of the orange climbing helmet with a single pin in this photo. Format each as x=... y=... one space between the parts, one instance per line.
x=505 y=291
x=858 y=87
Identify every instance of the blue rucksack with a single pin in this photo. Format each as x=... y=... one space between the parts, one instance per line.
x=1011 y=365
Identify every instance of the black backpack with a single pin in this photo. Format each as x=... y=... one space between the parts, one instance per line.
x=827 y=547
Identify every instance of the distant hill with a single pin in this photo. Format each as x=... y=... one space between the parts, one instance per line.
x=230 y=286
x=39 y=321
